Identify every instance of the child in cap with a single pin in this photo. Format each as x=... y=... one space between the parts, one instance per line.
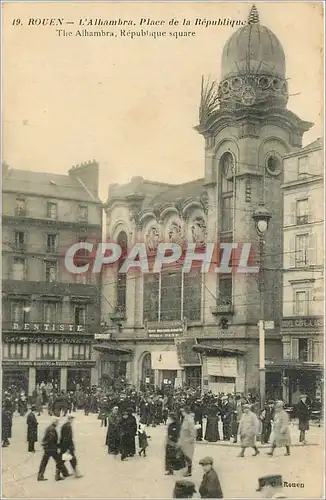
x=210 y=486
x=142 y=440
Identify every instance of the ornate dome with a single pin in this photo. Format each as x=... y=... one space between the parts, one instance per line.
x=253 y=49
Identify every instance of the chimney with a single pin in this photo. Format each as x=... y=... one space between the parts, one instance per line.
x=88 y=174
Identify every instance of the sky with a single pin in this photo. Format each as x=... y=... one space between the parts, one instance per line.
x=132 y=104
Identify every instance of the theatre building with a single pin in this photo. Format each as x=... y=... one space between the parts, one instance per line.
x=49 y=316
x=195 y=329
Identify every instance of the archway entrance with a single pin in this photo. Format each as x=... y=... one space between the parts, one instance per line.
x=147 y=374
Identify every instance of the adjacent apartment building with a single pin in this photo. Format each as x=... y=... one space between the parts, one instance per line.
x=303 y=276
x=49 y=316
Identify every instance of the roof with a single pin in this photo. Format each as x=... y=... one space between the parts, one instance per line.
x=110 y=348
x=187 y=190
x=46 y=184
x=317 y=144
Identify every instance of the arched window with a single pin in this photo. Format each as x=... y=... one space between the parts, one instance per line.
x=226 y=192
x=122 y=240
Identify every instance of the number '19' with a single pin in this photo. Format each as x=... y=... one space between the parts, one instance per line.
x=16 y=22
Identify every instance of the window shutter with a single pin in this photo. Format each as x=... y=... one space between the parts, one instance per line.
x=311 y=210
x=312 y=249
x=295 y=348
x=291 y=250
x=290 y=219
x=286 y=350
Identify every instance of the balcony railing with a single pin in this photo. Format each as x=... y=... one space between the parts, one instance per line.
x=224 y=306
x=21 y=212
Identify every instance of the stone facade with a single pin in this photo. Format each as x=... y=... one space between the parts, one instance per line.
x=49 y=316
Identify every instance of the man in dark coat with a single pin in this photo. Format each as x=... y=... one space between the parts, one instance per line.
x=173 y=459
x=50 y=446
x=226 y=412
x=210 y=486
x=32 y=429
x=6 y=423
x=266 y=419
x=132 y=428
x=67 y=444
x=198 y=416
x=124 y=436
x=303 y=414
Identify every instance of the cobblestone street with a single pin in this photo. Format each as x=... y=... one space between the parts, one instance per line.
x=106 y=476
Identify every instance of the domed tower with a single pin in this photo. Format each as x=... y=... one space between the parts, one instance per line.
x=248 y=129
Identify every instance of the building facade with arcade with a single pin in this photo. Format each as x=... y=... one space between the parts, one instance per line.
x=201 y=329
x=49 y=316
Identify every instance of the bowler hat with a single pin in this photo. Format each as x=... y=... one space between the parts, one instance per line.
x=274 y=481
x=206 y=461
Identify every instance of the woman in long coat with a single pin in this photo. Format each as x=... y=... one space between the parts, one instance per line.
x=39 y=403
x=281 y=431
x=248 y=427
x=187 y=438
x=113 y=434
x=171 y=451
x=212 y=433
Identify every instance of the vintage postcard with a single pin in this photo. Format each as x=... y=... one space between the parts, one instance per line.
x=162 y=250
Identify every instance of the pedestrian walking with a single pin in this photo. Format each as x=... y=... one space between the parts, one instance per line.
x=112 y=440
x=124 y=436
x=132 y=433
x=266 y=420
x=187 y=438
x=67 y=445
x=303 y=414
x=142 y=440
x=271 y=486
x=248 y=428
x=50 y=446
x=210 y=486
x=32 y=425
x=184 y=489
x=6 y=424
x=281 y=430
x=174 y=460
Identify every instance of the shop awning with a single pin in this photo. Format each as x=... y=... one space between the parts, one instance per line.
x=217 y=350
x=293 y=365
x=114 y=349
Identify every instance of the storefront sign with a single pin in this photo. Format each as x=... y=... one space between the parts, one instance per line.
x=222 y=366
x=31 y=339
x=48 y=364
x=102 y=336
x=165 y=360
x=304 y=322
x=165 y=330
x=46 y=327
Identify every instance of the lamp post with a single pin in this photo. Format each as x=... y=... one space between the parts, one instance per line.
x=261 y=216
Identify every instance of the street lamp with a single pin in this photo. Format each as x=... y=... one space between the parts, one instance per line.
x=261 y=217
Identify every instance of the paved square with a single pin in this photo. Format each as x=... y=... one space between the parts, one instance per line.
x=106 y=476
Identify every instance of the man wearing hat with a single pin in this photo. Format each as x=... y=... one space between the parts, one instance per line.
x=271 y=486
x=210 y=486
x=184 y=489
x=248 y=429
x=67 y=444
x=281 y=429
x=32 y=425
x=303 y=414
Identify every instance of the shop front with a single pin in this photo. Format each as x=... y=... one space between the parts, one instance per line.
x=14 y=375
x=190 y=361
x=113 y=365
x=167 y=370
x=223 y=370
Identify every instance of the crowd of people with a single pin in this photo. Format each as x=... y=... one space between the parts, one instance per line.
x=128 y=415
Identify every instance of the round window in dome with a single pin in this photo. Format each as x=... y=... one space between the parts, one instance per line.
x=273 y=164
x=225 y=87
x=236 y=83
x=277 y=84
x=264 y=82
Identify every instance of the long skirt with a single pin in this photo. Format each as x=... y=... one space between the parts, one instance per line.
x=113 y=441
x=174 y=459
x=212 y=433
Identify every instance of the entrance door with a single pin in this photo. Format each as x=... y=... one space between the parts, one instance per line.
x=193 y=376
x=49 y=375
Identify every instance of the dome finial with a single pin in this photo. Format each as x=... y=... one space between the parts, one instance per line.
x=253 y=15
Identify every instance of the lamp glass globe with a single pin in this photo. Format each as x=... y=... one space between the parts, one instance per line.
x=262 y=226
